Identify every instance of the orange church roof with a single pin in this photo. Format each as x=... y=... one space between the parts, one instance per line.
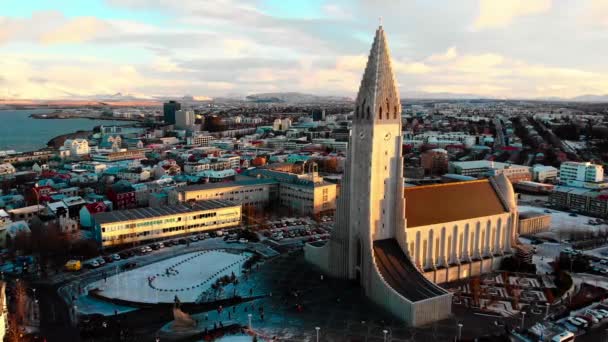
x=441 y=203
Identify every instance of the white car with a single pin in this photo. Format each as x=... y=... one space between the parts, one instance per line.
x=242 y=240
x=92 y=264
x=115 y=257
x=575 y=322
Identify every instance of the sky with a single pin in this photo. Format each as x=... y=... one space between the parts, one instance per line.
x=58 y=49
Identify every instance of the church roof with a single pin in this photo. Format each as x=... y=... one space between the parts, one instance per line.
x=441 y=203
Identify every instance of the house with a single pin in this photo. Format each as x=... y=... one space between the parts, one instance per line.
x=7 y=170
x=122 y=195
x=76 y=147
x=10 y=231
x=90 y=209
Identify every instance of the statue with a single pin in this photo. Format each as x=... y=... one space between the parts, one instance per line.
x=181 y=319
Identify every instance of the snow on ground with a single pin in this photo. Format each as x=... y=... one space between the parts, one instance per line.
x=562 y=222
x=601 y=252
x=186 y=276
x=87 y=305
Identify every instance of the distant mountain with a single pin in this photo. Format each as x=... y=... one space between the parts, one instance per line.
x=418 y=95
x=293 y=97
x=591 y=98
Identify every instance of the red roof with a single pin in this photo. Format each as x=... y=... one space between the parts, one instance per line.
x=97 y=207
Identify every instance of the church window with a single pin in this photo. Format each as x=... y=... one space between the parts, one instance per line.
x=395 y=113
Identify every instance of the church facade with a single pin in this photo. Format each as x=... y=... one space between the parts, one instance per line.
x=395 y=241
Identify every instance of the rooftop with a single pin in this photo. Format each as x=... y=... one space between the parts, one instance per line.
x=401 y=274
x=146 y=213
x=239 y=182
x=449 y=202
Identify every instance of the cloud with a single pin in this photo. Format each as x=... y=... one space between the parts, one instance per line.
x=78 y=30
x=596 y=14
x=500 y=13
x=450 y=54
x=208 y=48
x=52 y=27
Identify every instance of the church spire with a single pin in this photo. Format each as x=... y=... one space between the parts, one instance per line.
x=378 y=97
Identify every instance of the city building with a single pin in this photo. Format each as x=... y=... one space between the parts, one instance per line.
x=368 y=242
x=77 y=147
x=318 y=114
x=435 y=161
x=542 y=173
x=137 y=225
x=253 y=192
x=122 y=195
x=111 y=141
x=105 y=157
x=184 y=119
x=488 y=168
x=7 y=170
x=281 y=124
x=169 y=109
x=532 y=222
x=584 y=175
x=200 y=139
x=305 y=193
x=582 y=200
x=534 y=187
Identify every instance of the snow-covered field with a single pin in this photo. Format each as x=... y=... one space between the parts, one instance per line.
x=186 y=276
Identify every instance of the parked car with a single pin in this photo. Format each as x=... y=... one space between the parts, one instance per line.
x=193 y=238
x=241 y=240
x=143 y=250
x=92 y=264
x=584 y=321
x=182 y=241
x=101 y=261
x=155 y=246
x=129 y=266
x=115 y=257
x=73 y=265
x=590 y=318
x=575 y=322
x=123 y=255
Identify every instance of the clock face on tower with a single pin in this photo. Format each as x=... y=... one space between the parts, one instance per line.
x=387 y=136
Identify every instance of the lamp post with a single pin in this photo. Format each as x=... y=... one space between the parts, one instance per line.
x=249 y=317
x=385 y=332
x=459 y=331
x=317 y=329
x=523 y=318
x=75 y=314
x=547 y=305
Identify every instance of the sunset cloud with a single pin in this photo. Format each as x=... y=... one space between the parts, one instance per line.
x=498 y=14
x=214 y=47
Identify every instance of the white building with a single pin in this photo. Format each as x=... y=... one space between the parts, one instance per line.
x=485 y=168
x=281 y=124
x=581 y=174
x=200 y=139
x=7 y=170
x=77 y=147
x=542 y=173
